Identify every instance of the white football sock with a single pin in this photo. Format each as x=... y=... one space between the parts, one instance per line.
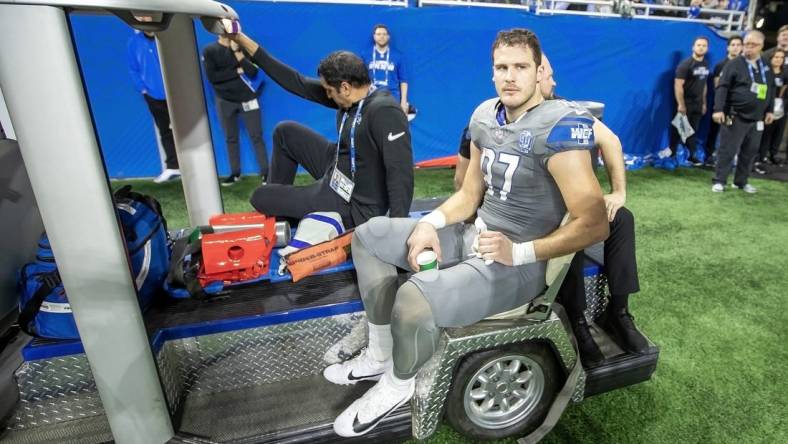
x=402 y=385
x=380 y=341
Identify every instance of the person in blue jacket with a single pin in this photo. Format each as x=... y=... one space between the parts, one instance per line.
x=387 y=66
x=145 y=71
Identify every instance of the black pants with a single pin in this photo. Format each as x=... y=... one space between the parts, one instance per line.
x=621 y=269
x=228 y=116
x=742 y=138
x=295 y=144
x=711 y=139
x=161 y=115
x=772 y=136
x=694 y=114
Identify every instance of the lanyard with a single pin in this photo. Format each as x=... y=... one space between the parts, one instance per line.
x=760 y=66
x=352 y=138
x=375 y=65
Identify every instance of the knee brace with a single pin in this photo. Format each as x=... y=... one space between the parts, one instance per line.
x=377 y=282
x=414 y=330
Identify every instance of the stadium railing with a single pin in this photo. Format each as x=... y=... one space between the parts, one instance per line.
x=403 y=3
x=724 y=20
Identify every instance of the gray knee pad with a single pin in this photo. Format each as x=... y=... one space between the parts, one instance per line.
x=377 y=282
x=387 y=238
x=415 y=334
x=372 y=231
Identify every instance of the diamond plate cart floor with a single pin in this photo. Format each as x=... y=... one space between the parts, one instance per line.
x=276 y=412
x=90 y=430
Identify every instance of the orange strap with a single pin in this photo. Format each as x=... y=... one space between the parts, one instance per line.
x=310 y=260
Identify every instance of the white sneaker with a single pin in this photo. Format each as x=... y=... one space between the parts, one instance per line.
x=348 y=345
x=717 y=188
x=167 y=175
x=374 y=406
x=747 y=188
x=361 y=368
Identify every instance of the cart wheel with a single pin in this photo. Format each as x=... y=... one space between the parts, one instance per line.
x=503 y=392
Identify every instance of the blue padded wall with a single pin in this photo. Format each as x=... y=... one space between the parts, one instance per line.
x=626 y=64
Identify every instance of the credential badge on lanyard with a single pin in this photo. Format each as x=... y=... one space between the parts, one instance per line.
x=759 y=89
x=340 y=183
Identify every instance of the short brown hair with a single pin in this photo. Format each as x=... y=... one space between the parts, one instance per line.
x=782 y=29
x=519 y=37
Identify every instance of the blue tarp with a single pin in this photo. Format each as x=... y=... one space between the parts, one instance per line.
x=626 y=64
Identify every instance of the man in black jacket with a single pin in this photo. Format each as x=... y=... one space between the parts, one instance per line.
x=742 y=102
x=734 y=50
x=367 y=173
x=235 y=80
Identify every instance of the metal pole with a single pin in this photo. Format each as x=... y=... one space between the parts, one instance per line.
x=752 y=9
x=180 y=68
x=47 y=103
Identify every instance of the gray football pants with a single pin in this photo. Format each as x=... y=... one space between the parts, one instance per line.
x=454 y=296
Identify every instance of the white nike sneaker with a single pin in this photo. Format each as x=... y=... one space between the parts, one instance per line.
x=361 y=368
x=167 y=175
x=348 y=345
x=374 y=406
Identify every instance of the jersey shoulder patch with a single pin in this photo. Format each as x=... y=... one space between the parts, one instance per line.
x=573 y=130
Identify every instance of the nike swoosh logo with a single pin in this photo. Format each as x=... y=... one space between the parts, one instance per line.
x=353 y=377
x=365 y=427
x=393 y=137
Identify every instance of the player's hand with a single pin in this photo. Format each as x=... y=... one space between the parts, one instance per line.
x=683 y=109
x=769 y=118
x=718 y=117
x=234 y=46
x=495 y=246
x=424 y=236
x=231 y=28
x=613 y=202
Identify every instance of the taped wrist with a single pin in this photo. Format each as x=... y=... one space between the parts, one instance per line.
x=523 y=253
x=436 y=218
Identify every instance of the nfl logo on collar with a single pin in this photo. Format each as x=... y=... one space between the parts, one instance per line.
x=525 y=142
x=498 y=135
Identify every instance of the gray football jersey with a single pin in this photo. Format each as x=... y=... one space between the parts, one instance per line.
x=522 y=200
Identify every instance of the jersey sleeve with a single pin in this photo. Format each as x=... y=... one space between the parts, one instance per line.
x=573 y=131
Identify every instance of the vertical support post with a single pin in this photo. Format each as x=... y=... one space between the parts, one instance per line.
x=180 y=68
x=5 y=119
x=48 y=105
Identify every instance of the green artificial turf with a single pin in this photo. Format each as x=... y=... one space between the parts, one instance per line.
x=713 y=296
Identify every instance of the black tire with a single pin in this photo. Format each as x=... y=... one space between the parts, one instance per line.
x=531 y=403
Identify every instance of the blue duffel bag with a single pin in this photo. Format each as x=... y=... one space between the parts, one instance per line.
x=44 y=310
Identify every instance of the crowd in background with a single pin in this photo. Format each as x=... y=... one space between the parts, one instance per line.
x=747 y=111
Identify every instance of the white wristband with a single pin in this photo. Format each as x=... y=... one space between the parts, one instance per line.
x=523 y=253
x=436 y=218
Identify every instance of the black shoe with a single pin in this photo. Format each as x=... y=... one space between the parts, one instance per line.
x=263 y=179
x=590 y=355
x=758 y=168
x=230 y=180
x=621 y=326
x=695 y=162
